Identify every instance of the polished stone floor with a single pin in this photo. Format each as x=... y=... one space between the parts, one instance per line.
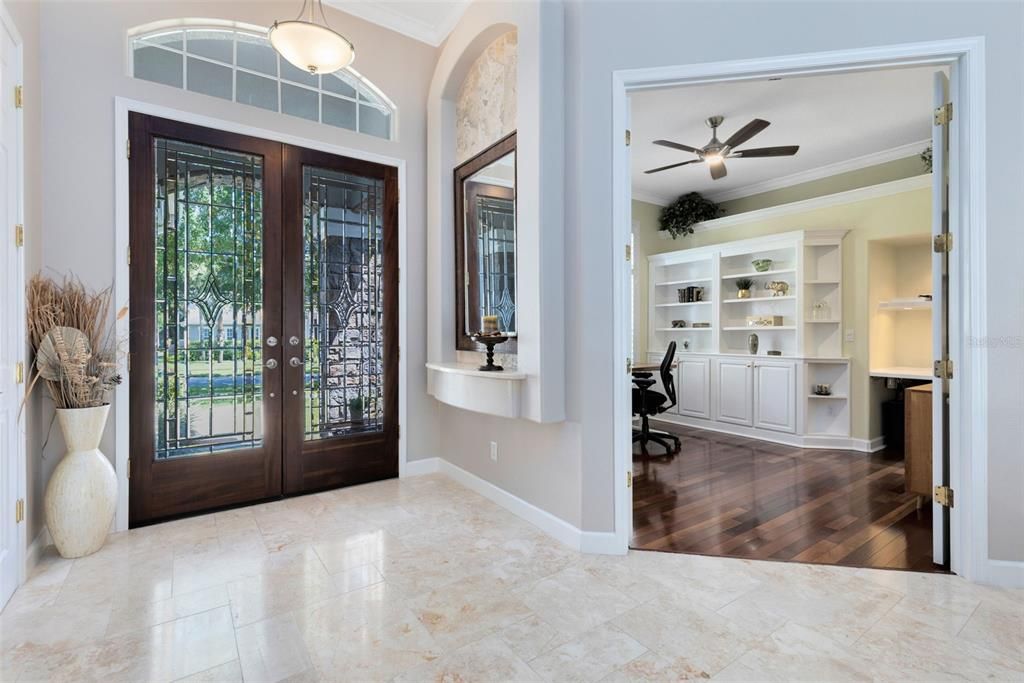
x=423 y=580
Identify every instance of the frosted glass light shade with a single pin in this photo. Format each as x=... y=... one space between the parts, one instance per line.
x=311 y=47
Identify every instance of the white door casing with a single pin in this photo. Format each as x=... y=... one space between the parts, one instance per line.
x=12 y=315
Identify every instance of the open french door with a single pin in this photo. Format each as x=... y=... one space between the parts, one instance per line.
x=263 y=335
x=942 y=500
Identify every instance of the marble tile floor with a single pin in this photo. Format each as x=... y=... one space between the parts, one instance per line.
x=423 y=580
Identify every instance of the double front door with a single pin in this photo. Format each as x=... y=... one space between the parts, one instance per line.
x=264 y=328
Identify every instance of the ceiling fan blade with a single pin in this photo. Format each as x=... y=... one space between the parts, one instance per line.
x=717 y=170
x=746 y=132
x=786 y=151
x=676 y=145
x=665 y=168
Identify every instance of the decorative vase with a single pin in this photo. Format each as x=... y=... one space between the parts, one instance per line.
x=752 y=343
x=355 y=415
x=82 y=493
x=743 y=294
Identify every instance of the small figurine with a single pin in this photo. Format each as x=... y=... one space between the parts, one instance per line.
x=778 y=287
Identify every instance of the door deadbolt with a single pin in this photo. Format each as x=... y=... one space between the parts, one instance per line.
x=271 y=341
x=294 y=341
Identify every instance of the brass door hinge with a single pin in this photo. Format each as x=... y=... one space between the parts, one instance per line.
x=629 y=366
x=19 y=97
x=19 y=372
x=128 y=148
x=19 y=511
x=128 y=469
x=944 y=368
x=944 y=496
x=629 y=252
x=19 y=235
x=944 y=114
x=629 y=137
x=943 y=243
x=128 y=255
x=629 y=479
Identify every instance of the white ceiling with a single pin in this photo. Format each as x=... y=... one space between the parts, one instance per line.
x=429 y=21
x=834 y=118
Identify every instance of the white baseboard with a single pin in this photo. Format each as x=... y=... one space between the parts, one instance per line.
x=35 y=550
x=595 y=542
x=843 y=443
x=1002 y=573
x=414 y=468
x=601 y=543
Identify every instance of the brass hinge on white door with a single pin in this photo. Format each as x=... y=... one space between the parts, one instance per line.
x=944 y=496
x=128 y=469
x=629 y=479
x=943 y=114
x=19 y=372
x=629 y=137
x=943 y=243
x=629 y=252
x=19 y=511
x=944 y=368
x=19 y=97
x=19 y=235
x=629 y=366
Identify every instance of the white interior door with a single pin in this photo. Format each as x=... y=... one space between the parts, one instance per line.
x=940 y=319
x=11 y=315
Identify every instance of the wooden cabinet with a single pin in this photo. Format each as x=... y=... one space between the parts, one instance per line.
x=735 y=403
x=918 y=439
x=693 y=387
x=775 y=396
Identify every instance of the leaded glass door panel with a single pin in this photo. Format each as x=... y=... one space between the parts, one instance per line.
x=340 y=321
x=205 y=313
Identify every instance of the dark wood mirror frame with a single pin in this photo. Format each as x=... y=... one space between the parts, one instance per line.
x=467 y=169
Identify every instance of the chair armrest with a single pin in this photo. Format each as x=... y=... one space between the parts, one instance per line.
x=644 y=382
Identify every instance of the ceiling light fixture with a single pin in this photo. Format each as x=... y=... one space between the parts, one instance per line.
x=310 y=46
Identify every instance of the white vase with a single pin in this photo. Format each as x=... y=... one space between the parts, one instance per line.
x=82 y=493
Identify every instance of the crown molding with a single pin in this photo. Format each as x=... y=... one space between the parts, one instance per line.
x=854 y=164
x=382 y=14
x=860 y=194
x=810 y=175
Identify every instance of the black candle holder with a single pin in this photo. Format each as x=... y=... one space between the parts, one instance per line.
x=490 y=341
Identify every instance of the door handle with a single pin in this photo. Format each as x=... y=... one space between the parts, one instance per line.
x=294 y=361
x=271 y=364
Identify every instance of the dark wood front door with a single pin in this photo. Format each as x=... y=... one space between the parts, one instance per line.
x=263 y=320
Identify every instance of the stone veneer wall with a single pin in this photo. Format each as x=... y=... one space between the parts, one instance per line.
x=486 y=107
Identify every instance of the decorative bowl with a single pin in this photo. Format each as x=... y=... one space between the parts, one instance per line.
x=761 y=264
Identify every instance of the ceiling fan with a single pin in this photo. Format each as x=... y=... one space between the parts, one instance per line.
x=715 y=152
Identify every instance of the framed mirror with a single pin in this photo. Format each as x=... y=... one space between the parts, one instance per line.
x=485 y=245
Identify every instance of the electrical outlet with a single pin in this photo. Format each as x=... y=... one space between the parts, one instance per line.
x=850 y=336
x=494 y=451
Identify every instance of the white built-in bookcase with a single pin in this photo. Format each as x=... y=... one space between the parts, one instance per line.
x=811 y=263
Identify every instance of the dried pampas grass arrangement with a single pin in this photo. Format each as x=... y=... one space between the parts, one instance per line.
x=74 y=342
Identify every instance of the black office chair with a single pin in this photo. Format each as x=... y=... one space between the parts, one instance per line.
x=647 y=402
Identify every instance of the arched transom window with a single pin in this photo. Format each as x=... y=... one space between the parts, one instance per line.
x=239 y=64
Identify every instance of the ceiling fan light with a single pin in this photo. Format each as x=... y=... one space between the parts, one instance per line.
x=311 y=47
x=714 y=158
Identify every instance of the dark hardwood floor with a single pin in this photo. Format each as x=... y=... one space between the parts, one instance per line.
x=737 y=497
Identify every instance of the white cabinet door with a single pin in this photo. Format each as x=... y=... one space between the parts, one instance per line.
x=693 y=387
x=775 y=396
x=735 y=392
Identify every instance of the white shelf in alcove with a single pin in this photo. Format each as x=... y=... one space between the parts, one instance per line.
x=905 y=304
x=748 y=328
x=823 y=322
x=833 y=396
x=788 y=297
x=821 y=282
x=681 y=303
x=777 y=271
x=674 y=283
x=465 y=386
